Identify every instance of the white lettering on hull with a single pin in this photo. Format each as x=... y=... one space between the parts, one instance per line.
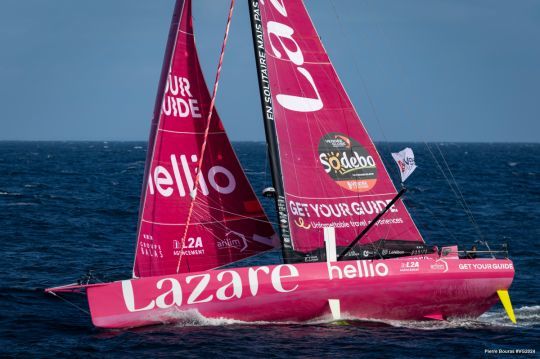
x=230 y=287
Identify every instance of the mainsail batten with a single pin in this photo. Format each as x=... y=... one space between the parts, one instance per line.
x=332 y=172
x=227 y=222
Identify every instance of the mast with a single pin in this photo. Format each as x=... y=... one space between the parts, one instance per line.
x=270 y=131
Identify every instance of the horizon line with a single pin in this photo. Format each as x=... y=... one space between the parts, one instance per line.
x=263 y=141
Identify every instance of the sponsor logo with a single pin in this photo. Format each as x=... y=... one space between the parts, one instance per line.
x=301 y=223
x=407 y=161
x=393 y=252
x=310 y=259
x=166 y=181
x=206 y=287
x=410 y=266
x=148 y=248
x=440 y=265
x=485 y=266
x=233 y=240
x=362 y=269
x=192 y=247
x=347 y=162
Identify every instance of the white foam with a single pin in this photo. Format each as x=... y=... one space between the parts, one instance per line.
x=526 y=316
x=192 y=317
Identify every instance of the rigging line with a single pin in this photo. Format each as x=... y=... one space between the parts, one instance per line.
x=427 y=146
x=237 y=214
x=362 y=80
x=266 y=179
x=469 y=216
x=372 y=105
x=220 y=225
x=207 y=129
x=442 y=224
x=70 y=303
x=210 y=230
x=443 y=173
x=460 y=193
x=250 y=258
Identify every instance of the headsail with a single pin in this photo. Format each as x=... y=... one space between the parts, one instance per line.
x=332 y=172
x=228 y=222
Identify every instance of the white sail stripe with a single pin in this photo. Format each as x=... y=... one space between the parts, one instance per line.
x=305 y=62
x=192 y=133
x=185 y=32
x=200 y=223
x=356 y=197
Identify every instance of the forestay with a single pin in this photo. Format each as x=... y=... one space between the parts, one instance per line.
x=228 y=222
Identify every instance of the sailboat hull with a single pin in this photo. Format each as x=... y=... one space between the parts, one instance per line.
x=407 y=288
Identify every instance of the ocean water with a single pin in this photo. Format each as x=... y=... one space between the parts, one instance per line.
x=70 y=207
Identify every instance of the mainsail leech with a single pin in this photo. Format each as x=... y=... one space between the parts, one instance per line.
x=331 y=171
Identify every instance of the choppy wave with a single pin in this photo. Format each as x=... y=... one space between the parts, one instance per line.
x=76 y=218
x=21 y=204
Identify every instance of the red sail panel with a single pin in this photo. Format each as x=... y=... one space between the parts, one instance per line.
x=332 y=172
x=228 y=222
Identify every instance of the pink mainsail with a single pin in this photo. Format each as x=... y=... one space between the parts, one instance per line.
x=228 y=222
x=332 y=172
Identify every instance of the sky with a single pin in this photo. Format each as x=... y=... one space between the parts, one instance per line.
x=416 y=70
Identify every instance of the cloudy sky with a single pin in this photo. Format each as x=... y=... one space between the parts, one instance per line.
x=433 y=70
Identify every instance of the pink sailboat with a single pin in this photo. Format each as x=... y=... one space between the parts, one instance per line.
x=350 y=248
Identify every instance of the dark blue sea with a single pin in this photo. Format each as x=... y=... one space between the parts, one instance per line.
x=70 y=207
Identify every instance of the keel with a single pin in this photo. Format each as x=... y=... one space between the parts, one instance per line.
x=507 y=304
